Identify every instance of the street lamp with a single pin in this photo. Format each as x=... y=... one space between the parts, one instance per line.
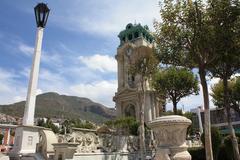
x=41 y=14
x=27 y=135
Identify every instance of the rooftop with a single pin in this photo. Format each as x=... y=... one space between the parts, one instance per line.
x=135 y=31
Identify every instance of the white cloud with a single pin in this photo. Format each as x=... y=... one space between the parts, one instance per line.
x=10 y=89
x=105 y=17
x=46 y=57
x=25 y=49
x=88 y=80
x=100 y=91
x=102 y=63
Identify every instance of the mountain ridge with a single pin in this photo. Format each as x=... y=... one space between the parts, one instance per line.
x=54 y=105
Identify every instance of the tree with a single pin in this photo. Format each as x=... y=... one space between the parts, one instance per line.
x=175 y=83
x=185 y=37
x=233 y=101
x=234 y=93
x=48 y=124
x=143 y=64
x=66 y=127
x=76 y=123
x=226 y=26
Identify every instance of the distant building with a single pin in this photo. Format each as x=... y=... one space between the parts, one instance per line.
x=218 y=119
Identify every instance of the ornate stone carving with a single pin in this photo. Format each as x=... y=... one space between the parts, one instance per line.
x=170 y=134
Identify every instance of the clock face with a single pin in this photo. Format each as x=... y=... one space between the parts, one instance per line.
x=129 y=51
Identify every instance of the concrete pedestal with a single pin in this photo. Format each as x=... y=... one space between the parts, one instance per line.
x=170 y=134
x=26 y=139
x=64 y=150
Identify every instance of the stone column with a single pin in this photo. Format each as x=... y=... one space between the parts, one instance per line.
x=170 y=134
x=27 y=135
x=119 y=59
x=28 y=118
x=119 y=108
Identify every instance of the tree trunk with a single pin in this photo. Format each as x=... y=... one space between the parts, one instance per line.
x=174 y=106
x=230 y=126
x=207 y=123
x=142 y=129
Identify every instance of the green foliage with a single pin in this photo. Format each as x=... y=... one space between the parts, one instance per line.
x=175 y=83
x=224 y=153
x=216 y=140
x=225 y=15
x=48 y=124
x=184 y=36
x=67 y=125
x=77 y=123
x=202 y=34
x=228 y=146
x=234 y=94
x=128 y=125
x=167 y=113
x=190 y=130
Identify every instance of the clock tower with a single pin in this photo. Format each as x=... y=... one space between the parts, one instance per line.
x=134 y=40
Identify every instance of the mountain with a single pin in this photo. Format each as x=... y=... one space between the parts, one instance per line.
x=54 y=105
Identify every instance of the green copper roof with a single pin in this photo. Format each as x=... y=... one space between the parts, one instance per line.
x=135 y=31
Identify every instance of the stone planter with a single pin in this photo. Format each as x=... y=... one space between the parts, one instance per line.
x=170 y=135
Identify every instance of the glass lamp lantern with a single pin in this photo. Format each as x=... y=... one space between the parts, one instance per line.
x=41 y=14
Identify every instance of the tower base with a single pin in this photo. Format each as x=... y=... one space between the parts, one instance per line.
x=26 y=139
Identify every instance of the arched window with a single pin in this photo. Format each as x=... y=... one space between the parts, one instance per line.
x=130 y=111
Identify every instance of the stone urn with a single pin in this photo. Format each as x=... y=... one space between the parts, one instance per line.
x=170 y=135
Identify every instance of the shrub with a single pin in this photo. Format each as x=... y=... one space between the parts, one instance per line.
x=197 y=153
x=224 y=153
x=128 y=125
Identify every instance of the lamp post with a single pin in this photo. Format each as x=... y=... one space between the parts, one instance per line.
x=41 y=15
x=27 y=135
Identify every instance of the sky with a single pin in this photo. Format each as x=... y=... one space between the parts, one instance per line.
x=79 y=45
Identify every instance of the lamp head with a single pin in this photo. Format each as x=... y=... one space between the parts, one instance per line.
x=41 y=14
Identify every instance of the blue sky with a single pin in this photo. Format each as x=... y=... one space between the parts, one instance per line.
x=79 y=45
